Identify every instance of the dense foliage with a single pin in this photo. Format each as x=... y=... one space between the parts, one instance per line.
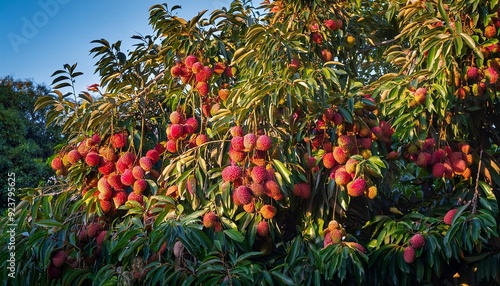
x=302 y=143
x=25 y=142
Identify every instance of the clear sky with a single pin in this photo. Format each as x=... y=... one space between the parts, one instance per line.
x=38 y=37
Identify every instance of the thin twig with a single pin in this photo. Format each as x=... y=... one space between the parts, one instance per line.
x=476 y=189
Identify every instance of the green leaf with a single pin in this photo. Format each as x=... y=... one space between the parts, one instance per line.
x=234 y=234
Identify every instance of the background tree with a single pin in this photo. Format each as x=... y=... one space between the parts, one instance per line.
x=25 y=142
x=303 y=143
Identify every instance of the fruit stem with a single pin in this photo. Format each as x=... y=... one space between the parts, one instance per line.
x=476 y=189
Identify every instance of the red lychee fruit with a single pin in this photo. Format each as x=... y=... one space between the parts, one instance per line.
x=365 y=143
x=135 y=197
x=176 y=117
x=197 y=67
x=176 y=131
x=417 y=241
x=302 y=190
x=106 y=167
x=100 y=237
x=294 y=65
x=171 y=146
x=118 y=140
x=448 y=217
x=119 y=198
x=490 y=31
x=231 y=173
x=328 y=239
x=201 y=139
x=105 y=190
x=176 y=71
x=223 y=93
x=351 y=165
x=423 y=159
x=268 y=211
x=420 y=95
x=317 y=38
x=336 y=235
x=347 y=143
x=93 y=229
x=128 y=158
x=153 y=155
x=54 y=272
x=106 y=206
x=193 y=122
x=249 y=141
x=372 y=192
x=219 y=68
x=328 y=160
x=146 y=163
x=236 y=131
x=357 y=187
x=127 y=178
x=202 y=88
x=409 y=254
x=340 y=155
x=59 y=258
x=92 y=159
x=273 y=189
x=237 y=143
x=114 y=180
x=237 y=156
x=257 y=189
x=438 y=170
x=472 y=73
x=263 y=143
x=74 y=156
x=190 y=60
x=204 y=74
x=249 y=208
x=140 y=186
x=437 y=156
x=491 y=74
x=327 y=56
x=342 y=178
x=263 y=228
x=458 y=166
x=57 y=163
x=209 y=219
x=243 y=195
x=258 y=174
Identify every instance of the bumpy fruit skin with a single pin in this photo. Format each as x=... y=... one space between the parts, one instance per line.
x=257 y=189
x=340 y=155
x=356 y=188
x=242 y=195
x=472 y=73
x=273 y=190
x=420 y=95
x=57 y=163
x=140 y=186
x=258 y=174
x=202 y=87
x=237 y=143
x=249 y=141
x=268 y=211
x=372 y=192
x=93 y=229
x=417 y=241
x=236 y=131
x=59 y=258
x=302 y=190
x=317 y=38
x=105 y=190
x=119 y=198
x=209 y=219
x=106 y=167
x=438 y=170
x=448 y=217
x=190 y=60
x=118 y=140
x=74 y=156
x=176 y=131
x=153 y=155
x=201 y=139
x=136 y=197
x=328 y=160
x=342 y=178
x=263 y=228
x=490 y=31
x=409 y=254
x=263 y=143
x=138 y=172
x=92 y=159
x=146 y=163
x=231 y=173
x=204 y=74
x=127 y=178
x=176 y=117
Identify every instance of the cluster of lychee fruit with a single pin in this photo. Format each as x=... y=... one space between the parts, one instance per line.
x=116 y=175
x=442 y=162
x=335 y=234
x=182 y=132
x=417 y=242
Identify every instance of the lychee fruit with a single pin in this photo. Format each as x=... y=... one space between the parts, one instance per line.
x=328 y=160
x=327 y=56
x=273 y=189
x=423 y=159
x=138 y=172
x=100 y=237
x=257 y=189
x=153 y=155
x=201 y=139
x=59 y=258
x=176 y=71
x=263 y=228
x=242 y=195
x=263 y=143
x=236 y=156
x=106 y=167
x=372 y=192
x=74 y=156
x=92 y=159
x=237 y=143
x=190 y=60
x=223 y=93
x=202 y=88
x=136 y=198
x=420 y=95
x=197 y=67
x=204 y=74
x=193 y=123
x=105 y=190
x=409 y=254
x=231 y=173
x=342 y=178
x=491 y=74
x=176 y=117
x=351 y=165
x=128 y=158
x=105 y=205
x=236 y=131
x=114 y=180
x=268 y=211
x=118 y=140
x=171 y=146
x=127 y=178
x=417 y=241
x=336 y=235
x=448 y=217
x=490 y=31
x=57 y=163
x=347 y=143
x=317 y=38
x=302 y=190
x=249 y=208
x=146 y=163
x=340 y=155
x=472 y=73
x=140 y=186
x=258 y=174
x=176 y=131
x=357 y=187
x=93 y=229
x=119 y=198
x=438 y=170
x=209 y=219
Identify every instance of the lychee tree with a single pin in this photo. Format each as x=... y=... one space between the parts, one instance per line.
x=303 y=143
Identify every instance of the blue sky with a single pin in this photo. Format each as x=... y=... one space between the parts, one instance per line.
x=38 y=37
